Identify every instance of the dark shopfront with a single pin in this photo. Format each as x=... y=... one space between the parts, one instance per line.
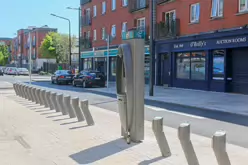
x=212 y=62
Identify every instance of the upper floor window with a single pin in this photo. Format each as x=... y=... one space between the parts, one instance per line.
x=141 y=22
x=195 y=12
x=113 y=4
x=113 y=31
x=94 y=35
x=124 y=27
x=217 y=8
x=243 y=5
x=94 y=11
x=103 y=33
x=88 y=34
x=124 y=2
x=103 y=7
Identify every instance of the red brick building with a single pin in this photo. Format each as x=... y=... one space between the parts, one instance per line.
x=21 y=45
x=200 y=44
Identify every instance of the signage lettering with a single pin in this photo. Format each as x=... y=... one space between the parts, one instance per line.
x=232 y=40
x=196 y=44
x=178 y=46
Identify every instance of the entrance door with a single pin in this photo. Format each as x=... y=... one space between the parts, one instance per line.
x=165 y=69
x=240 y=71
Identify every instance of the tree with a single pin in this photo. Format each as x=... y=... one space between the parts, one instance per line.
x=56 y=46
x=4 y=54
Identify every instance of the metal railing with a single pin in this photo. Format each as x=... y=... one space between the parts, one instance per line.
x=135 y=5
x=168 y=29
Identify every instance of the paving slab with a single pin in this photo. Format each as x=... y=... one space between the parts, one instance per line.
x=36 y=135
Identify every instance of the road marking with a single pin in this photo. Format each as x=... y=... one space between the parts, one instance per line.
x=178 y=113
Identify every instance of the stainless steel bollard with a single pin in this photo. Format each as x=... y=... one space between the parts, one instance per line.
x=84 y=104
x=61 y=104
x=53 y=101
x=30 y=93
x=157 y=127
x=43 y=93
x=219 y=147
x=47 y=98
x=33 y=94
x=184 y=137
x=21 y=89
x=67 y=105
x=25 y=92
x=77 y=110
x=42 y=102
x=37 y=93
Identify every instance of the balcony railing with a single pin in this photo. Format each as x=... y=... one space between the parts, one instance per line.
x=86 y=43
x=83 y=2
x=136 y=5
x=86 y=21
x=162 y=1
x=168 y=29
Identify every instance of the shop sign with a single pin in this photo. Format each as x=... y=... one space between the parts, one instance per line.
x=231 y=40
x=87 y=54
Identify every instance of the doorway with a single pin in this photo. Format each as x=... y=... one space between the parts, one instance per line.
x=100 y=64
x=165 y=69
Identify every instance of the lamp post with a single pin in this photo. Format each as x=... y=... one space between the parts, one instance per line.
x=79 y=34
x=69 y=34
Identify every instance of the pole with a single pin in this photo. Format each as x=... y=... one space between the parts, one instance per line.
x=152 y=52
x=108 y=61
x=79 y=39
x=70 y=41
x=30 y=58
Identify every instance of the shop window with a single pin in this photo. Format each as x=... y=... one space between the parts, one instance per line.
x=218 y=64
x=113 y=66
x=183 y=65
x=147 y=66
x=198 y=65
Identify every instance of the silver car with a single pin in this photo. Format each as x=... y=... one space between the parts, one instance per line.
x=23 y=71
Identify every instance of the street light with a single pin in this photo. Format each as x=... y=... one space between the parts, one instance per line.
x=69 y=33
x=79 y=34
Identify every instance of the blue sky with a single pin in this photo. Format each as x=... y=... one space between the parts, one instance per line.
x=17 y=14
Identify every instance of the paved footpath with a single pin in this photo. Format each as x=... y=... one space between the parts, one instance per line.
x=33 y=135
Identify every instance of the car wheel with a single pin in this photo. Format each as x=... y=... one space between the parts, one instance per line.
x=84 y=84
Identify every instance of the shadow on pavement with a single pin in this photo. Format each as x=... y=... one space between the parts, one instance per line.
x=67 y=118
x=69 y=123
x=83 y=126
x=54 y=116
x=216 y=115
x=99 y=152
x=148 y=162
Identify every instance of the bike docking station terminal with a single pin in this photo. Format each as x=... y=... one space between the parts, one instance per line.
x=130 y=82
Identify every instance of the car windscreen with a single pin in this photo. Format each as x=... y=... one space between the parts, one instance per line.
x=65 y=72
x=95 y=74
x=23 y=69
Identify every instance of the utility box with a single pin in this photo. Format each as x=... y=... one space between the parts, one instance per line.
x=130 y=84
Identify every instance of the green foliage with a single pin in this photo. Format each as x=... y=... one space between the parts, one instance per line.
x=4 y=54
x=56 y=46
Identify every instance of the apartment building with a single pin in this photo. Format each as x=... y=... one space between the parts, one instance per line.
x=21 y=46
x=200 y=44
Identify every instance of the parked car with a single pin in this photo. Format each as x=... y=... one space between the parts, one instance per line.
x=1 y=71
x=23 y=71
x=11 y=71
x=62 y=77
x=88 y=78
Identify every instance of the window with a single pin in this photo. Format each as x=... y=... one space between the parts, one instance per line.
x=103 y=33
x=94 y=35
x=124 y=27
x=113 y=66
x=113 y=4
x=217 y=8
x=141 y=22
x=183 y=65
x=103 y=7
x=191 y=65
x=197 y=62
x=194 y=12
x=113 y=31
x=243 y=5
x=218 y=64
x=94 y=11
x=124 y=2
x=88 y=34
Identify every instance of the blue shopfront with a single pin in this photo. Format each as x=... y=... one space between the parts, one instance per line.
x=97 y=60
x=216 y=61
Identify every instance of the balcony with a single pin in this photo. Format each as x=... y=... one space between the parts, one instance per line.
x=137 y=32
x=163 y=1
x=83 y=2
x=86 y=43
x=136 y=5
x=86 y=21
x=168 y=29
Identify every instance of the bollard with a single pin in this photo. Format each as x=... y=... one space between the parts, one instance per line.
x=25 y=92
x=219 y=148
x=54 y=102
x=37 y=93
x=42 y=102
x=157 y=127
x=77 y=110
x=60 y=103
x=30 y=93
x=68 y=106
x=21 y=89
x=33 y=94
x=43 y=93
x=84 y=104
x=47 y=98
x=14 y=86
x=184 y=137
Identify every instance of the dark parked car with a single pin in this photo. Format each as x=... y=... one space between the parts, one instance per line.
x=1 y=71
x=89 y=79
x=62 y=77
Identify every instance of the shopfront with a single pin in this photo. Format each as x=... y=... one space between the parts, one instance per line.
x=214 y=62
